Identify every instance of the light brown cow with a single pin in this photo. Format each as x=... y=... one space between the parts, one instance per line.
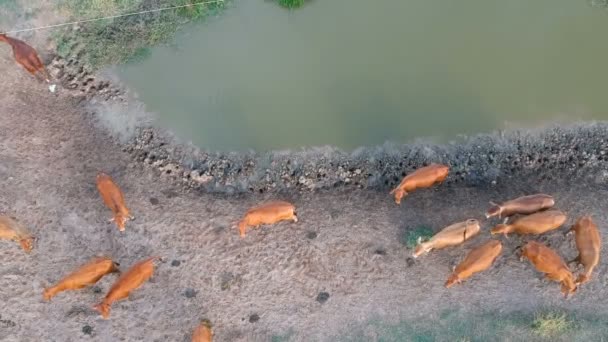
x=589 y=245
x=549 y=262
x=11 y=229
x=114 y=199
x=424 y=177
x=203 y=333
x=449 y=236
x=128 y=281
x=537 y=223
x=522 y=205
x=478 y=260
x=268 y=213
x=84 y=276
x=27 y=57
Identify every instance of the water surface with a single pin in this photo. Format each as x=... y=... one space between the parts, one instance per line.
x=359 y=72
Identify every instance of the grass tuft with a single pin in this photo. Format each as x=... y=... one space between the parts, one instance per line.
x=291 y=3
x=126 y=39
x=551 y=324
x=410 y=238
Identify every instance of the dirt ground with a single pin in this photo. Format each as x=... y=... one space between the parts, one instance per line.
x=50 y=152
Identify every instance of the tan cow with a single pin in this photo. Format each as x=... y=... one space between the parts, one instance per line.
x=128 y=281
x=549 y=262
x=86 y=275
x=114 y=199
x=478 y=260
x=522 y=205
x=589 y=245
x=203 y=333
x=424 y=177
x=27 y=57
x=11 y=229
x=452 y=235
x=537 y=223
x=268 y=213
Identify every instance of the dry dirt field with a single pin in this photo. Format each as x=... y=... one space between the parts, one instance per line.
x=266 y=286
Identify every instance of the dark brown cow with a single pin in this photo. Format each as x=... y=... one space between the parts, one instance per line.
x=27 y=57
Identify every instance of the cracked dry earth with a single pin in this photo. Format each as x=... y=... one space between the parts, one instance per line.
x=339 y=267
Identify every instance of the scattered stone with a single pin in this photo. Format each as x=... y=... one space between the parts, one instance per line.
x=175 y=263
x=190 y=293
x=410 y=262
x=96 y=289
x=7 y=323
x=87 y=330
x=311 y=235
x=322 y=297
x=254 y=318
x=154 y=200
x=169 y=193
x=199 y=178
x=380 y=251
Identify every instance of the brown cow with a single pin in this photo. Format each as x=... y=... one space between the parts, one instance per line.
x=11 y=229
x=424 y=177
x=537 y=223
x=452 y=235
x=203 y=333
x=589 y=245
x=113 y=198
x=549 y=262
x=522 y=205
x=268 y=213
x=478 y=260
x=127 y=282
x=84 y=276
x=27 y=57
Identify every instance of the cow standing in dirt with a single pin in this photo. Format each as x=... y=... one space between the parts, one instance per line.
x=27 y=57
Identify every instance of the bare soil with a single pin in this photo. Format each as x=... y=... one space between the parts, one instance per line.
x=51 y=150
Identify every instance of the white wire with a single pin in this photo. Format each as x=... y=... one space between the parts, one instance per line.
x=114 y=16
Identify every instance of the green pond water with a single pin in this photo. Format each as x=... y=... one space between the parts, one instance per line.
x=357 y=72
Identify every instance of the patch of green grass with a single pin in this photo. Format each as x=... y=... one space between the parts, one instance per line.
x=291 y=3
x=8 y=6
x=126 y=39
x=8 y=3
x=598 y=3
x=551 y=324
x=282 y=338
x=456 y=325
x=411 y=237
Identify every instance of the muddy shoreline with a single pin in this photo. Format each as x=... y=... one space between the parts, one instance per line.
x=551 y=152
x=485 y=160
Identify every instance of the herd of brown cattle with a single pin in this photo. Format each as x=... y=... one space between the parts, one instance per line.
x=538 y=219
x=535 y=217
